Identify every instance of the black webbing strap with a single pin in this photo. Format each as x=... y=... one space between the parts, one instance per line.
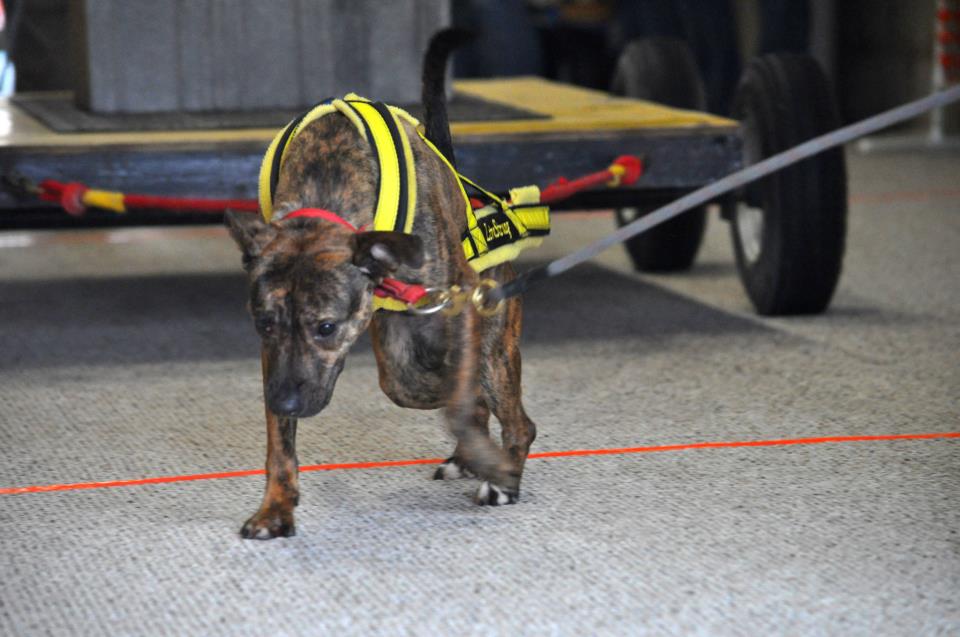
x=282 y=146
x=278 y=153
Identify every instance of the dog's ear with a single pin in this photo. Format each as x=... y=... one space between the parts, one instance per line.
x=250 y=232
x=380 y=253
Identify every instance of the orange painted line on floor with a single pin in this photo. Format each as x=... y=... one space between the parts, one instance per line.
x=211 y=476
x=423 y=461
x=747 y=443
x=902 y=196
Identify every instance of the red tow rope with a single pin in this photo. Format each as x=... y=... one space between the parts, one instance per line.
x=76 y=198
x=624 y=171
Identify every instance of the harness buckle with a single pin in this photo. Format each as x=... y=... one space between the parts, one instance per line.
x=452 y=300
x=481 y=301
x=458 y=298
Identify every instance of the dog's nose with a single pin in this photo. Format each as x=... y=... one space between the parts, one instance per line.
x=288 y=402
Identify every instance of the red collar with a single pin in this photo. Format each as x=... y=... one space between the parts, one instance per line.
x=327 y=215
x=409 y=293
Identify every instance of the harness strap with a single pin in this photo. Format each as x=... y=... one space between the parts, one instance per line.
x=279 y=150
x=494 y=233
x=380 y=126
x=397 y=188
x=502 y=229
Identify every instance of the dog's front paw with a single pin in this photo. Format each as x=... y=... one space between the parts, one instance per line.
x=452 y=469
x=268 y=525
x=491 y=495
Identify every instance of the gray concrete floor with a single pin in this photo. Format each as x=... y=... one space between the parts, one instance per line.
x=133 y=358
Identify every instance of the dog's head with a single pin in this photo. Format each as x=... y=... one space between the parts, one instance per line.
x=311 y=296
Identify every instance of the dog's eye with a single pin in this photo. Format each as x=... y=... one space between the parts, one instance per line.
x=326 y=329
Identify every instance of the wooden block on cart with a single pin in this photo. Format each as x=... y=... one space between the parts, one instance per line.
x=138 y=56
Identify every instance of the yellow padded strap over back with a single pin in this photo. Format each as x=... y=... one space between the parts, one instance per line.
x=388 y=198
x=381 y=126
x=263 y=183
x=273 y=159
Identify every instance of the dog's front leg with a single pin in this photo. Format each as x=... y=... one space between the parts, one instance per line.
x=275 y=516
x=469 y=423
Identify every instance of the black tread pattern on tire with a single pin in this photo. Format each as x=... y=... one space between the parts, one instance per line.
x=805 y=205
x=671 y=246
x=662 y=70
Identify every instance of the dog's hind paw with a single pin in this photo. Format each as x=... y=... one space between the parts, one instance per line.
x=452 y=469
x=492 y=495
x=267 y=527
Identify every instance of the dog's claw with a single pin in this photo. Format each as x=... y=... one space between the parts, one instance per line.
x=491 y=495
x=267 y=527
x=452 y=469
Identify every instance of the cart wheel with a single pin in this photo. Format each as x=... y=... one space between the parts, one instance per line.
x=789 y=228
x=662 y=70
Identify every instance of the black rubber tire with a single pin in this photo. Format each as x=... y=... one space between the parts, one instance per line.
x=662 y=70
x=671 y=246
x=783 y=100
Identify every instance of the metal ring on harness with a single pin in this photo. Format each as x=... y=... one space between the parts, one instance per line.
x=458 y=297
x=441 y=300
x=480 y=298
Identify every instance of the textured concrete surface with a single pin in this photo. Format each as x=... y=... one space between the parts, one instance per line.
x=134 y=358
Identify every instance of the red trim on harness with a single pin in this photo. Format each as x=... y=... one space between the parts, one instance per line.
x=408 y=293
x=326 y=215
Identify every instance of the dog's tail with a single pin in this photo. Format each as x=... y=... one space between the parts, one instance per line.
x=434 y=91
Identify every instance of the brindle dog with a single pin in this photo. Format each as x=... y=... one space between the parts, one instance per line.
x=311 y=294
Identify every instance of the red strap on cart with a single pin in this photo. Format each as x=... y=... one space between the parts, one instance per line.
x=624 y=171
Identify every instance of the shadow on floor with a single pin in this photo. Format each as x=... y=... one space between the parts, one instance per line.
x=151 y=319
x=593 y=303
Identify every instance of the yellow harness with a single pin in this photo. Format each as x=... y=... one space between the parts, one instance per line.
x=495 y=233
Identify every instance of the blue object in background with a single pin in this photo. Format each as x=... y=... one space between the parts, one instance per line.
x=8 y=75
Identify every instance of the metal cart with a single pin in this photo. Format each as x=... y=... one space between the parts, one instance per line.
x=788 y=229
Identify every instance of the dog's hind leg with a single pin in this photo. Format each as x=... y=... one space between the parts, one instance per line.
x=477 y=451
x=274 y=518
